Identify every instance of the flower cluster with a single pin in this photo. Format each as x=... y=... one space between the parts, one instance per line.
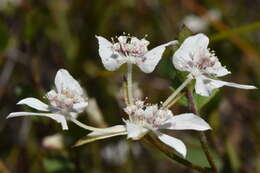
x=68 y=99
x=195 y=57
x=130 y=50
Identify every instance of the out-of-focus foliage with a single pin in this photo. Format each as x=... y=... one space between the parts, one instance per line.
x=37 y=37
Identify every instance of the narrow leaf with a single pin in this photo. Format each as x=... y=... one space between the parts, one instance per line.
x=184 y=33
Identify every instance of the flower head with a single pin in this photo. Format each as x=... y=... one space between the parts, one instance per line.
x=66 y=100
x=68 y=95
x=127 y=49
x=195 y=57
x=145 y=118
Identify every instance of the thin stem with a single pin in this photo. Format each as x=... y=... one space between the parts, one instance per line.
x=202 y=136
x=129 y=83
x=125 y=90
x=175 y=100
x=170 y=153
x=177 y=91
x=84 y=126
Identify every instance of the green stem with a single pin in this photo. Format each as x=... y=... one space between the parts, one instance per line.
x=177 y=91
x=171 y=154
x=202 y=136
x=129 y=83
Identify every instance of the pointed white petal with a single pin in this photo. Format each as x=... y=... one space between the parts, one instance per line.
x=110 y=59
x=221 y=71
x=231 y=84
x=134 y=131
x=80 y=107
x=57 y=117
x=93 y=136
x=194 y=43
x=218 y=70
x=182 y=58
x=205 y=85
x=175 y=143
x=63 y=80
x=152 y=57
x=201 y=88
x=51 y=94
x=34 y=103
x=108 y=130
x=187 y=121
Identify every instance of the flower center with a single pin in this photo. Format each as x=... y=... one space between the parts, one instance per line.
x=149 y=116
x=131 y=46
x=202 y=61
x=65 y=99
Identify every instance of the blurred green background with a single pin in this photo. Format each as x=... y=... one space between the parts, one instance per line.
x=37 y=37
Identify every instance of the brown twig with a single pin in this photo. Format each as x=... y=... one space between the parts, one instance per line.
x=171 y=154
x=202 y=136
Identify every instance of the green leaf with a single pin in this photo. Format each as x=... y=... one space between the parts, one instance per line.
x=196 y=155
x=201 y=101
x=57 y=165
x=184 y=33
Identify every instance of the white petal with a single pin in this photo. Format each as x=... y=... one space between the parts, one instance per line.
x=57 y=117
x=187 y=121
x=34 y=103
x=194 y=43
x=218 y=70
x=134 y=131
x=201 y=88
x=175 y=143
x=152 y=57
x=205 y=85
x=231 y=84
x=63 y=80
x=80 y=107
x=182 y=58
x=93 y=136
x=51 y=94
x=111 y=60
x=113 y=129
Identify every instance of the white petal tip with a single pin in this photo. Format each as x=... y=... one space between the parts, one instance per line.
x=174 y=143
x=12 y=115
x=9 y=116
x=173 y=43
x=184 y=154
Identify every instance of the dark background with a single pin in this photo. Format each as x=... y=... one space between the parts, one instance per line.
x=37 y=37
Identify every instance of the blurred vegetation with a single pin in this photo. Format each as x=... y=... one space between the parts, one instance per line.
x=37 y=37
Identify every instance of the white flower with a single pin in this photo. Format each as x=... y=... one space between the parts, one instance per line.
x=53 y=142
x=116 y=153
x=195 y=23
x=130 y=50
x=201 y=23
x=150 y=118
x=195 y=57
x=67 y=100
